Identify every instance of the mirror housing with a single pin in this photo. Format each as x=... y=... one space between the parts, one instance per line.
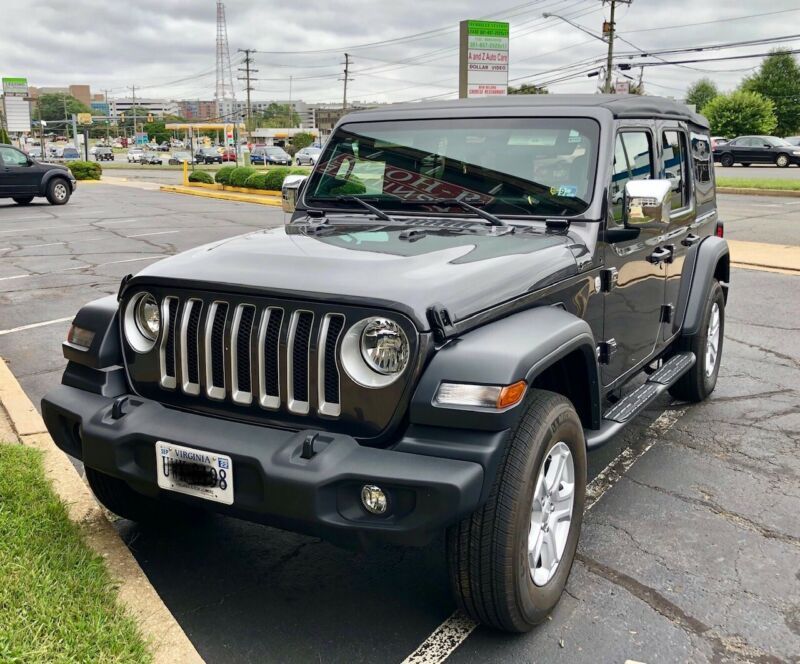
x=647 y=203
x=290 y=191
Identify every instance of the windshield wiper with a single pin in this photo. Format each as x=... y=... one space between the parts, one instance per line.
x=488 y=216
x=377 y=211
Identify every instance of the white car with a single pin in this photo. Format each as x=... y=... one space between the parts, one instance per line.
x=135 y=155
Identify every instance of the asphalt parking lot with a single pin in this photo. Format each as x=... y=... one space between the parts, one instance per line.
x=691 y=555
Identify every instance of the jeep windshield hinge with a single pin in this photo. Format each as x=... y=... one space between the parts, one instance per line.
x=122 y=285
x=608 y=279
x=441 y=322
x=606 y=350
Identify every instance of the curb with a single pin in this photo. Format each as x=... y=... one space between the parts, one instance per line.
x=165 y=637
x=759 y=192
x=764 y=256
x=222 y=195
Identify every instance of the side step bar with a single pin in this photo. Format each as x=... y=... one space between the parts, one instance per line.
x=622 y=413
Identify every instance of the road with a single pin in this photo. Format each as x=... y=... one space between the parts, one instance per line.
x=691 y=556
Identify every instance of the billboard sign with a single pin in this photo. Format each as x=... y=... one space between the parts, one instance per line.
x=18 y=114
x=483 y=59
x=15 y=86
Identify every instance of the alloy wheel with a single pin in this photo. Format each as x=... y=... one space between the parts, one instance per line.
x=712 y=340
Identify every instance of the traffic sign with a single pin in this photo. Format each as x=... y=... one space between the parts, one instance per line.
x=84 y=118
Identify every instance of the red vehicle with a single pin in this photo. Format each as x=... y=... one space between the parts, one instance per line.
x=229 y=155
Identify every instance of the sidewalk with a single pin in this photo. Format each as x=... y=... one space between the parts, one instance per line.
x=763 y=256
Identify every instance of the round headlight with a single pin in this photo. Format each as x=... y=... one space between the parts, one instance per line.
x=384 y=346
x=148 y=316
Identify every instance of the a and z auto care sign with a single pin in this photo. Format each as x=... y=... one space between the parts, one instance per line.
x=483 y=64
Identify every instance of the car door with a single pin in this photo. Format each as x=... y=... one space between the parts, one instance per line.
x=19 y=174
x=674 y=166
x=632 y=304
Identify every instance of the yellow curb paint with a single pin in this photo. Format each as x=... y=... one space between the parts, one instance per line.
x=223 y=195
x=762 y=254
x=758 y=192
x=763 y=268
x=165 y=637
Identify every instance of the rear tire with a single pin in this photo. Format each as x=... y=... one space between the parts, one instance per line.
x=23 y=200
x=726 y=160
x=699 y=382
x=488 y=553
x=58 y=191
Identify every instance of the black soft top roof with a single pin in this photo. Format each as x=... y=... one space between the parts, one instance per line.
x=621 y=106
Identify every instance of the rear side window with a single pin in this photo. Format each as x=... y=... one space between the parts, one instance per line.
x=633 y=160
x=701 y=156
x=675 y=170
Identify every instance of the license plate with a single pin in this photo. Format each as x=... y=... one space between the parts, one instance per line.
x=194 y=472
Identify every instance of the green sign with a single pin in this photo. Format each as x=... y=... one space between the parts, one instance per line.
x=15 y=86
x=487 y=29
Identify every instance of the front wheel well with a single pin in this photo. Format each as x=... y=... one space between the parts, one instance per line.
x=573 y=377
x=722 y=273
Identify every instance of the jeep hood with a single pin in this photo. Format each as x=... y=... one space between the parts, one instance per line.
x=464 y=267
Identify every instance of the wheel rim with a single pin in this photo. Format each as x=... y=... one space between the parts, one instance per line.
x=60 y=191
x=712 y=340
x=551 y=513
x=782 y=161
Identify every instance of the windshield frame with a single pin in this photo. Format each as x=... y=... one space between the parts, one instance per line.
x=307 y=201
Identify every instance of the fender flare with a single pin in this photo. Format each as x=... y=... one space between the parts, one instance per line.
x=49 y=175
x=518 y=347
x=712 y=260
x=105 y=350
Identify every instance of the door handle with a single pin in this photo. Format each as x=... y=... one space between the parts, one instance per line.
x=690 y=239
x=662 y=254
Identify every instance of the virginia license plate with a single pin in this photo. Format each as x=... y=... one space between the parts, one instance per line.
x=195 y=472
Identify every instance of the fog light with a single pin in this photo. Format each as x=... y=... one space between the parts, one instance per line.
x=374 y=499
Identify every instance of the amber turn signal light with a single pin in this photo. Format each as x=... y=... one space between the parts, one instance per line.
x=511 y=395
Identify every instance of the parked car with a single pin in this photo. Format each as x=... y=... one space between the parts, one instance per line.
x=793 y=140
x=23 y=178
x=177 y=158
x=104 y=154
x=307 y=156
x=390 y=407
x=35 y=152
x=150 y=158
x=270 y=155
x=70 y=154
x=208 y=156
x=162 y=147
x=135 y=155
x=746 y=150
x=229 y=155
x=718 y=141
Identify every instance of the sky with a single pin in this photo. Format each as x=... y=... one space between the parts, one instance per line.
x=401 y=50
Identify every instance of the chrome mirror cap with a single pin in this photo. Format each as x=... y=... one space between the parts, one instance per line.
x=647 y=203
x=290 y=191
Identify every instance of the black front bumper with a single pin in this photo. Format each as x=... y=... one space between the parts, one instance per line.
x=273 y=484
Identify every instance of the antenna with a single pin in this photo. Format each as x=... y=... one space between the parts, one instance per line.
x=224 y=94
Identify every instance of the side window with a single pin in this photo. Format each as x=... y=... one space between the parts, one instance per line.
x=701 y=155
x=674 y=146
x=12 y=157
x=633 y=160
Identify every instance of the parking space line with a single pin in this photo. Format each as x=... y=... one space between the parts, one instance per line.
x=22 y=328
x=454 y=631
x=86 y=267
x=158 y=233
x=16 y=276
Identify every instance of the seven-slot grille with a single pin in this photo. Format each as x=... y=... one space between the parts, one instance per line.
x=233 y=352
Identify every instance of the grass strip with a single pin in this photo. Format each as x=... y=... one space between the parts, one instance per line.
x=759 y=183
x=57 y=602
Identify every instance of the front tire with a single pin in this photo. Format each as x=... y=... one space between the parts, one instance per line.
x=23 y=200
x=58 y=191
x=510 y=560
x=782 y=160
x=699 y=382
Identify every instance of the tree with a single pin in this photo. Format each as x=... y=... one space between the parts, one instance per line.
x=156 y=131
x=701 y=92
x=778 y=79
x=740 y=113
x=53 y=106
x=278 y=115
x=303 y=140
x=527 y=89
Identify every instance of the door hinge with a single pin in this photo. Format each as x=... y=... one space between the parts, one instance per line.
x=606 y=350
x=441 y=322
x=666 y=313
x=608 y=279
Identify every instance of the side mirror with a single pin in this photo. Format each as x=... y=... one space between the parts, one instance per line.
x=647 y=203
x=290 y=191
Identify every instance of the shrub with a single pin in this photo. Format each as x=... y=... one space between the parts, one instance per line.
x=85 y=170
x=201 y=176
x=223 y=175
x=275 y=177
x=239 y=175
x=257 y=180
x=351 y=187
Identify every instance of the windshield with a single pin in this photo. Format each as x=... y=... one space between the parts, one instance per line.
x=275 y=151
x=774 y=140
x=514 y=166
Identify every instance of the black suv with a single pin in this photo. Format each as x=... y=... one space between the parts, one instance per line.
x=208 y=156
x=469 y=297
x=104 y=154
x=22 y=178
x=746 y=150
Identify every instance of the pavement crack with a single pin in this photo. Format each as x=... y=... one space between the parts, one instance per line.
x=747 y=397
x=766 y=350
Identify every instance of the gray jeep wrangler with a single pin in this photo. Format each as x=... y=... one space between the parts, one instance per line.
x=468 y=298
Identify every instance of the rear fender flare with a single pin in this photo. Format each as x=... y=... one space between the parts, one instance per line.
x=712 y=261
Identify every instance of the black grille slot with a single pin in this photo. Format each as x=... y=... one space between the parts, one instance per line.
x=217 y=378
x=192 y=348
x=302 y=336
x=271 y=340
x=331 y=369
x=169 y=350
x=243 y=349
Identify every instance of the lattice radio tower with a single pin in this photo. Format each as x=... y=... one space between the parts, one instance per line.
x=225 y=96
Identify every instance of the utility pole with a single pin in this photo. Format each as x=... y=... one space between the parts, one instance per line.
x=248 y=70
x=108 y=117
x=291 y=108
x=66 y=117
x=612 y=27
x=133 y=92
x=345 y=79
